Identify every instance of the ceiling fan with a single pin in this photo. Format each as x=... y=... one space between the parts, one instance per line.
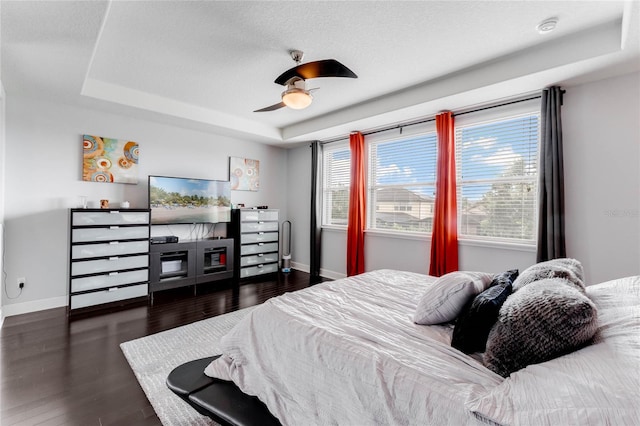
x=297 y=96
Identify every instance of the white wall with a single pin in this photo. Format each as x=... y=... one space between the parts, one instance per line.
x=601 y=123
x=43 y=172
x=2 y=168
x=602 y=163
x=298 y=190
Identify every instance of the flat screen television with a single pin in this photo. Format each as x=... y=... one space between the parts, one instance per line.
x=175 y=200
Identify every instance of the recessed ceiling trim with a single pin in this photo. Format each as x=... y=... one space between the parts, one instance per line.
x=147 y=101
x=580 y=46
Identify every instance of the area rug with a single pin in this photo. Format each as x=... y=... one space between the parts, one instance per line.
x=153 y=357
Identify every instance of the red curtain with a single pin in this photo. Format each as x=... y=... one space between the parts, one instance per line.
x=357 y=207
x=444 y=240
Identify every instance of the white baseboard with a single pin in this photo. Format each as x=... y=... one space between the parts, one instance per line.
x=300 y=267
x=12 y=309
x=326 y=273
x=331 y=274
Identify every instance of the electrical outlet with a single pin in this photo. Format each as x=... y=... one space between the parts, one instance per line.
x=21 y=282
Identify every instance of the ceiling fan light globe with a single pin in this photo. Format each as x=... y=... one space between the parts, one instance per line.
x=296 y=98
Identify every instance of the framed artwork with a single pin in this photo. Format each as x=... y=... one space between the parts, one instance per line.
x=109 y=160
x=244 y=174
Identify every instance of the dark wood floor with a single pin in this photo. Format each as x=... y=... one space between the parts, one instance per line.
x=61 y=371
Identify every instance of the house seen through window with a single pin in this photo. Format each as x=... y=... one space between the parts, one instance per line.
x=401 y=183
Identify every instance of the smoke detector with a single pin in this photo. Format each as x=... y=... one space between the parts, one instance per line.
x=547 y=25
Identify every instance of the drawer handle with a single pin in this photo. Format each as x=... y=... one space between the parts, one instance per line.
x=113 y=242
x=261 y=254
x=113 y=289
x=114 y=227
x=260 y=223
x=260 y=244
x=111 y=274
x=114 y=211
x=261 y=266
x=114 y=258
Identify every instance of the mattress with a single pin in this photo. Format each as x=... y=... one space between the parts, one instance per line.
x=347 y=352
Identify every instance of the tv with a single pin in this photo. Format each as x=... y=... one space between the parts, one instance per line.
x=175 y=200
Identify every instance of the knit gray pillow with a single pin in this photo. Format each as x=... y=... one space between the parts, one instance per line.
x=543 y=320
x=569 y=269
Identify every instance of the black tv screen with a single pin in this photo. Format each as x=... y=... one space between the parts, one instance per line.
x=174 y=200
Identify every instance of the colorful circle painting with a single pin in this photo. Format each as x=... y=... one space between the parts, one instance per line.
x=109 y=160
x=244 y=174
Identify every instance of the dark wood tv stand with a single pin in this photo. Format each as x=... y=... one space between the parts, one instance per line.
x=189 y=263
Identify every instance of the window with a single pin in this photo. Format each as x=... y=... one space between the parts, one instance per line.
x=336 y=164
x=497 y=168
x=401 y=183
x=497 y=176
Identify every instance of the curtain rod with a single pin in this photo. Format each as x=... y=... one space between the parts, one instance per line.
x=427 y=120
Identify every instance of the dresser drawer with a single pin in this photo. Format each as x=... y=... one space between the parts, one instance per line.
x=110 y=249
x=259 y=226
x=258 y=248
x=113 y=294
x=257 y=259
x=107 y=265
x=111 y=217
x=259 y=237
x=114 y=232
x=257 y=270
x=258 y=215
x=112 y=279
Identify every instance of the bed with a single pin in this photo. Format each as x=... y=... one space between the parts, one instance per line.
x=350 y=352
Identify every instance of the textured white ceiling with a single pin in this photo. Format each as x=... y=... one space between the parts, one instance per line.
x=213 y=62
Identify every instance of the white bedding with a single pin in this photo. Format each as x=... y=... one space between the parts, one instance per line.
x=347 y=352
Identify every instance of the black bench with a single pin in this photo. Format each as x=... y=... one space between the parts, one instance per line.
x=218 y=399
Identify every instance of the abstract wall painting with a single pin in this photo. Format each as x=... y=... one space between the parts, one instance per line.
x=109 y=160
x=244 y=174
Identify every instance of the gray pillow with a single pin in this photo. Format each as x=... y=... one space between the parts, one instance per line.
x=444 y=299
x=569 y=269
x=543 y=320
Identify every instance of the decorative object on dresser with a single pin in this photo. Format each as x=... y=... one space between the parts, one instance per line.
x=189 y=263
x=109 y=257
x=257 y=233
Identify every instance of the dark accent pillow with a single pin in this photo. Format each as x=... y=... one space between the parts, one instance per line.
x=543 y=320
x=504 y=277
x=481 y=313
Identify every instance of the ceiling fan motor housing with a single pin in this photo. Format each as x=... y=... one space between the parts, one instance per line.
x=296 y=96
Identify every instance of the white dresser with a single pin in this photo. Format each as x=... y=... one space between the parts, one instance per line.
x=109 y=257
x=258 y=241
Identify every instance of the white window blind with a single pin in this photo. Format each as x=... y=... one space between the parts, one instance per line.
x=401 y=183
x=497 y=168
x=336 y=164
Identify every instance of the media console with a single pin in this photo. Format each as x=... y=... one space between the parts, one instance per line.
x=189 y=263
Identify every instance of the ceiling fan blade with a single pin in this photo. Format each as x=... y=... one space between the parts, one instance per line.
x=271 y=107
x=324 y=68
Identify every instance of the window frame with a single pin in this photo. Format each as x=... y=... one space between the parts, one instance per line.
x=425 y=129
x=327 y=205
x=501 y=113
x=462 y=118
